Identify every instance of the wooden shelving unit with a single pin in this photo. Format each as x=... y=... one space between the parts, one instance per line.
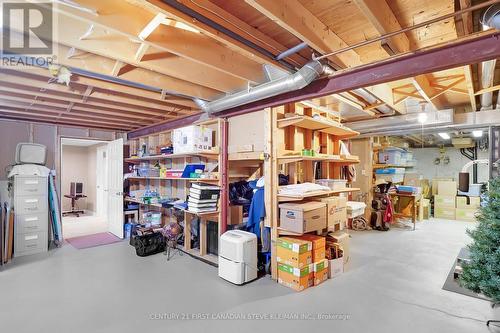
x=290 y=129
x=179 y=187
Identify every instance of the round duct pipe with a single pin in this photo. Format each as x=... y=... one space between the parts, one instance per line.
x=491 y=16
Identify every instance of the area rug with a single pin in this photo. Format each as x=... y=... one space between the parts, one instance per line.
x=84 y=242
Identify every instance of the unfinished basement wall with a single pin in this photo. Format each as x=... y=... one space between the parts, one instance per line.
x=246 y=133
x=425 y=163
x=13 y=132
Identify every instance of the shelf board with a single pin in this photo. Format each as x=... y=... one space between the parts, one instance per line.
x=205 y=154
x=320 y=158
x=208 y=258
x=283 y=197
x=329 y=127
x=143 y=203
x=383 y=166
x=202 y=213
x=246 y=156
x=197 y=180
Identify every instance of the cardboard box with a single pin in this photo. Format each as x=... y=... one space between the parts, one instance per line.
x=444 y=212
x=335 y=267
x=303 y=217
x=235 y=215
x=413 y=179
x=445 y=200
x=342 y=239
x=320 y=265
x=318 y=245
x=293 y=252
x=468 y=202
x=446 y=187
x=320 y=277
x=336 y=212
x=435 y=181
x=192 y=139
x=295 y=278
x=466 y=214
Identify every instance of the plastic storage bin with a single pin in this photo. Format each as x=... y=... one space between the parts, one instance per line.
x=153 y=218
x=394 y=175
x=333 y=184
x=391 y=156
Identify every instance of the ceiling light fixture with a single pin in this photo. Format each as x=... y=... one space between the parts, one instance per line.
x=444 y=136
x=477 y=133
x=422 y=118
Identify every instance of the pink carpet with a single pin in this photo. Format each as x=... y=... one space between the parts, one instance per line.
x=84 y=242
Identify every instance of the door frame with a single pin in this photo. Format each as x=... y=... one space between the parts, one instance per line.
x=59 y=162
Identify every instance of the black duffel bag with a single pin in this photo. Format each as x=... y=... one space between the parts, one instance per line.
x=146 y=245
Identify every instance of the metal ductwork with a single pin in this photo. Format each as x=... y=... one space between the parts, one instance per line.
x=490 y=19
x=367 y=96
x=298 y=80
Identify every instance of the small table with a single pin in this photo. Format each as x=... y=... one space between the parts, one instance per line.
x=414 y=199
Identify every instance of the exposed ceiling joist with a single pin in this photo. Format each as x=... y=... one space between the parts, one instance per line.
x=294 y=17
x=124 y=50
x=10 y=82
x=230 y=22
x=198 y=48
x=427 y=91
x=383 y=19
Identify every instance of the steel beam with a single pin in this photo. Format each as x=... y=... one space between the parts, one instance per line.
x=167 y=125
x=477 y=48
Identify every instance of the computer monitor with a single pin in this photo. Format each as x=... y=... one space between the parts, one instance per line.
x=76 y=189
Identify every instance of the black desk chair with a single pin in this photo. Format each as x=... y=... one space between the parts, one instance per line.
x=75 y=193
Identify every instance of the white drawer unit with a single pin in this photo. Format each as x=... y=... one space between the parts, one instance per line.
x=31 y=204
x=31 y=207
x=30 y=185
x=31 y=243
x=27 y=223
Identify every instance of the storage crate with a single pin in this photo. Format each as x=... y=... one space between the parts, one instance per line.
x=391 y=156
x=333 y=184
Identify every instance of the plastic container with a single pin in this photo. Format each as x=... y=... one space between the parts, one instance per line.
x=333 y=184
x=391 y=156
x=148 y=172
x=474 y=190
x=355 y=208
x=154 y=218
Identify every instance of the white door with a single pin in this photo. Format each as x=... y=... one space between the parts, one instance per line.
x=102 y=181
x=115 y=187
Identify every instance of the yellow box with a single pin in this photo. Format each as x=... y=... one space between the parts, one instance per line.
x=468 y=202
x=466 y=214
x=318 y=245
x=294 y=252
x=295 y=278
x=445 y=200
x=444 y=212
x=446 y=187
x=321 y=276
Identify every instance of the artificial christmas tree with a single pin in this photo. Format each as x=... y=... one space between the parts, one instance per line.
x=482 y=273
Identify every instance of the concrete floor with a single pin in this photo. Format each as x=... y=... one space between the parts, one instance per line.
x=83 y=225
x=393 y=285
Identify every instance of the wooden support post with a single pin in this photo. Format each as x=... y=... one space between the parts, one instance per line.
x=203 y=236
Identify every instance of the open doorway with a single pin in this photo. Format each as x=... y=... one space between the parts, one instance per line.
x=91 y=187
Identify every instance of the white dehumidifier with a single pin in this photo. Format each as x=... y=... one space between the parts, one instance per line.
x=238 y=256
